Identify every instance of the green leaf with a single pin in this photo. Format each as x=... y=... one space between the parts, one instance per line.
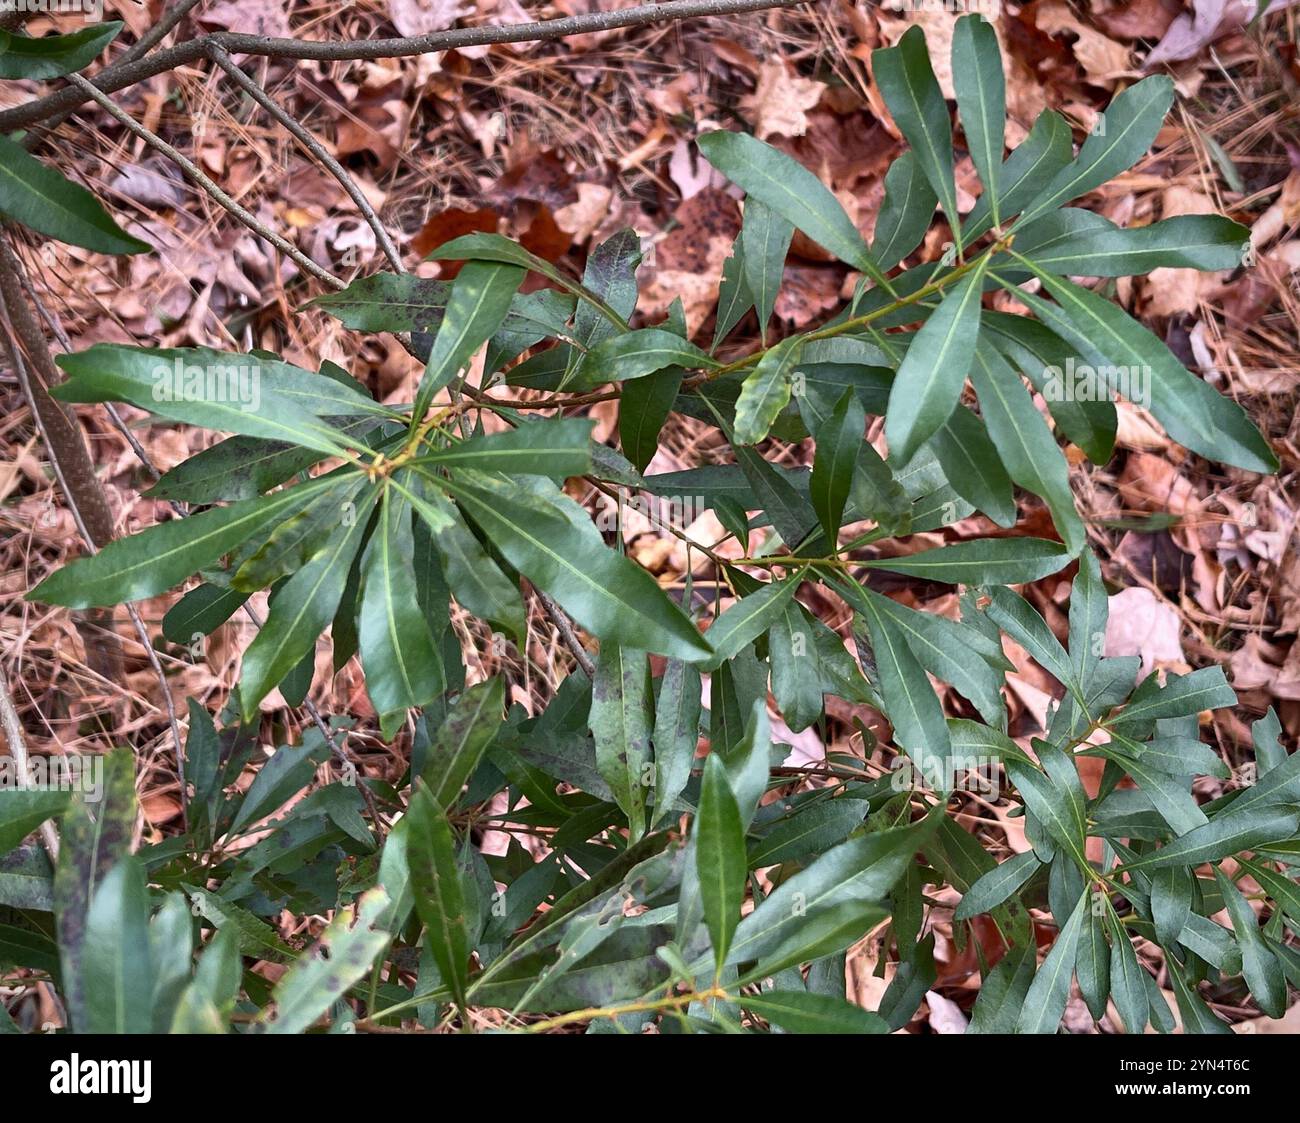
x=557 y=448
x=116 y=973
x=676 y=733
x=1050 y=991
x=1002 y=993
x=797 y=673
x=932 y=373
x=643 y=408
x=338 y=961
x=1196 y=1015
x=1127 y=980
x=1259 y=966
x=998 y=885
x=1092 y=967
x=297 y=537
x=1171 y=901
x=838 y=442
x=1054 y=804
x=1068 y=243
x=635 y=354
x=765 y=236
x=290 y=769
x=439 y=900
x=553 y=543
x=1044 y=152
x=734 y=297
x=981 y=101
x=1126 y=130
x=792 y=191
x=1018 y=618
x=301 y=611
x=403 y=668
x=149 y=563
x=972 y=463
x=798 y=1011
x=620 y=723
x=748 y=618
x=22 y=56
x=38 y=197
x=480 y=298
x=981 y=561
x=22 y=811
x=1024 y=442
x=1192 y=412
x=812 y=829
x=719 y=856
x=766 y=391
x=1223 y=835
x=462 y=739
x=1089 y=611
x=1181 y=696
x=905 y=212
x=907 y=83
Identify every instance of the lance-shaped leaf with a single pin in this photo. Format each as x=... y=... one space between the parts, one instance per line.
x=323 y=974
x=1127 y=979
x=1050 y=991
x=553 y=543
x=766 y=391
x=1089 y=611
x=480 y=298
x=1122 y=137
x=634 y=355
x=981 y=101
x=461 y=740
x=908 y=85
x=1191 y=411
x=998 y=885
x=1259 y=966
x=719 y=856
x=22 y=56
x=36 y=196
x=1053 y=804
x=792 y=191
x=1223 y=835
x=1030 y=167
x=905 y=212
x=558 y=448
x=403 y=668
x=1196 y=1015
x=932 y=373
x=734 y=297
x=779 y=496
x=301 y=611
x=439 y=898
x=798 y=1011
x=765 y=236
x=620 y=723
x=1020 y=620
x=676 y=733
x=1024 y=442
x=148 y=563
x=296 y=537
x=23 y=810
x=748 y=618
x=983 y=561
x=1092 y=966
x=838 y=442
x=1082 y=243
x=1180 y=696
x=1002 y=993
x=973 y=466
x=798 y=677
x=642 y=410
x=116 y=973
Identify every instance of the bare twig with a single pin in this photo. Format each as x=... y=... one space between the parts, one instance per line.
x=192 y=170
x=123 y=74
x=13 y=729
x=565 y=628
x=218 y=55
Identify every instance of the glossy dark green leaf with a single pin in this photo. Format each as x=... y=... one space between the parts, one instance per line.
x=1259 y=966
x=1127 y=980
x=810 y=830
x=458 y=746
x=1048 y=994
x=439 y=899
x=1030 y=167
x=557 y=448
x=38 y=197
x=798 y=681
x=301 y=611
x=766 y=391
x=1126 y=130
x=554 y=544
x=981 y=101
x=1021 y=621
x=791 y=190
x=1068 y=243
x=765 y=236
x=797 y=1011
x=998 y=885
x=1221 y=836
x=1002 y=993
x=52 y=56
x=719 y=856
x=116 y=972
x=838 y=442
x=984 y=561
x=635 y=354
x=906 y=81
x=621 y=724
x=676 y=733
x=201 y=611
x=932 y=373
x=642 y=410
x=905 y=212
x=1092 y=968
x=972 y=463
x=748 y=618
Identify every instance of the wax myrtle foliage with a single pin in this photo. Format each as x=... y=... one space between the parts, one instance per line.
x=662 y=884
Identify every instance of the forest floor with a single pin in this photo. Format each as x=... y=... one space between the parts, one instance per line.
x=560 y=144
